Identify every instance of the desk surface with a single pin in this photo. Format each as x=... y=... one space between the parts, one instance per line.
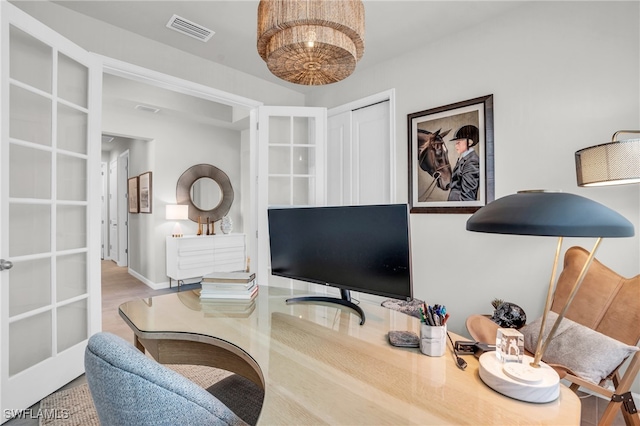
x=319 y=366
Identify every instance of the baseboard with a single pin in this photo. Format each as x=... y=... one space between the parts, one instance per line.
x=147 y=282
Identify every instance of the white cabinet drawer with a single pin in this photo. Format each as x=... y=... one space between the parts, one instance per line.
x=194 y=256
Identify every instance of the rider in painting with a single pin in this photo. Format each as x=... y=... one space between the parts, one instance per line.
x=465 y=178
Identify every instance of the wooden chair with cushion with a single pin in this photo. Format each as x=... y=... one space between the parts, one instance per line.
x=607 y=303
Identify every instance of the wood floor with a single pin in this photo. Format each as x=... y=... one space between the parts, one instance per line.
x=118 y=286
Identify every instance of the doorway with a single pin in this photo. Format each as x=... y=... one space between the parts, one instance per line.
x=171 y=125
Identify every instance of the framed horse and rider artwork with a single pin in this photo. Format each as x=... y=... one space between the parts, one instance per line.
x=451 y=157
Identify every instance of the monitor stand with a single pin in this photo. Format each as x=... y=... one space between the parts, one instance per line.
x=344 y=301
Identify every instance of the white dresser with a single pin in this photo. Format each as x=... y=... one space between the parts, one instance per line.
x=194 y=256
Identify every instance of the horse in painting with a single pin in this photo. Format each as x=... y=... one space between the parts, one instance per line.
x=433 y=157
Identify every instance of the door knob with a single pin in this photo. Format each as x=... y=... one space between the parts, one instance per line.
x=5 y=264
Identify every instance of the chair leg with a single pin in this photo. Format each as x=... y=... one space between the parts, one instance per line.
x=610 y=413
x=631 y=419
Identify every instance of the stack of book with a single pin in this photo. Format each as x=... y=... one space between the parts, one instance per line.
x=229 y=286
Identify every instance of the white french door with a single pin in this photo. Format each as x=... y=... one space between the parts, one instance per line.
x=50 y=93
x=291 y=153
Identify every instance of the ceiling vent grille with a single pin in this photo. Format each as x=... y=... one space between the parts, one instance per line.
x=147 y=108
x=189 y=28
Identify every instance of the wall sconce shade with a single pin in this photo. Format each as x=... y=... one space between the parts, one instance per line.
x=177 y=212
x=553 y=214
x=311 y=42
x=613 y=163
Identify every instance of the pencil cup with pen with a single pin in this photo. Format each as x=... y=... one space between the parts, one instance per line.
x=433 y=330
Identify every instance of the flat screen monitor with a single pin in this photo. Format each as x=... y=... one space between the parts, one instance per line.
x=361 y=248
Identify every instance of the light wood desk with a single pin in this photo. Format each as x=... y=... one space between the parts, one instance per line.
x=319 y=366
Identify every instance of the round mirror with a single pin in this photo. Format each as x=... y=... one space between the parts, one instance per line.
x=207 y=191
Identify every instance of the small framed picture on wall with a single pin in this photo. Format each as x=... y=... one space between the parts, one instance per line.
x=132 y=195
x=144 y=182
x=451 y=157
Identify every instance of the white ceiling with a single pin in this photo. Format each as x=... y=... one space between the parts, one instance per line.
x=392 y=27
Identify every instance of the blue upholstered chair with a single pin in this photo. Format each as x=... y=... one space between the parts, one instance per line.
x=128 y=388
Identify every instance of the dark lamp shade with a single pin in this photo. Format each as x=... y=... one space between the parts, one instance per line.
x=555 y=214
x=612 y=163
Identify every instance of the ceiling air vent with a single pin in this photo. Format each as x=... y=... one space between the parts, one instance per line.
x=189 y=28
x=147 y=108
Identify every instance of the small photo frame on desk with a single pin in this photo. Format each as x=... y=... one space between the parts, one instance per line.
x=146 y=194
x=132 y=195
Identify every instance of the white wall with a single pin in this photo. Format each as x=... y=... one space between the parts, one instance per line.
x=564 y=75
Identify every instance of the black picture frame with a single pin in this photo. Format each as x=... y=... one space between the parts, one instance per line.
x=430 y=134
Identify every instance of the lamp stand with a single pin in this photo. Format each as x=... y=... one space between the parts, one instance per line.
x=520 y=381
x=177 y=231
x=533 y=380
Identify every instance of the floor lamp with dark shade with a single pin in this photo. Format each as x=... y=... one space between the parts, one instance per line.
x=543 y=213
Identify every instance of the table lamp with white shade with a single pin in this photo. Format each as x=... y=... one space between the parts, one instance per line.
x=177 y=212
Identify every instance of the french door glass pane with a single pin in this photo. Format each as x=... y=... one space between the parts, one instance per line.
x=29 y=116
x=29 y=341
x=72 y=324
x=72 y=129
x=72 y=181
x=302 y=160
x=71 y=276
x=301 y=130
x=30 y=230
x=73 y=81
x=31 y=175
x=303 y=191
x=279 y=191
x=30 y=59
x=279 y=160
x=71 y=227
x=279 y=130
x=29 y=285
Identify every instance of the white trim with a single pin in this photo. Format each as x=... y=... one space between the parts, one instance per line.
x=121 y=205
x=176 y=84
x=389 y=95
x=148 y=282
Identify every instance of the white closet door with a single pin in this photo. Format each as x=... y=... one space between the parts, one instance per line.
x=291 y=144
x=360 y=157
x=49 y=208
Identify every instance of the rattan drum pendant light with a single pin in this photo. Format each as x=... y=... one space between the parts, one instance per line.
x=311 y=42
